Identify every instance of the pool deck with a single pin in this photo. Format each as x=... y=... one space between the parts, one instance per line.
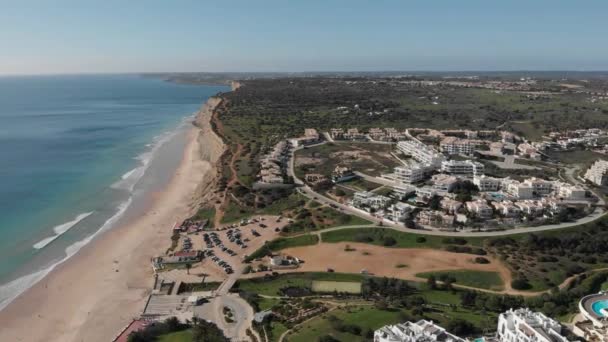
x=586 y=308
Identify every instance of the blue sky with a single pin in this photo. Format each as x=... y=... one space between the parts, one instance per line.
x=177 y=35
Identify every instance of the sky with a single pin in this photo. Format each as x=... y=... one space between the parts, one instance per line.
x=110 y=36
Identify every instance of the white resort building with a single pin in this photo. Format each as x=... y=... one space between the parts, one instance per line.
x=455 y=145
x=598 y=173
x=524 y=325
x=485 y=183
x=421 y=153
x=462 y=167
x=421 y=331
x=409 y=174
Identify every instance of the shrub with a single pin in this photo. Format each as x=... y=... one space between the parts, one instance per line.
x=389 y=241
x=520 y=284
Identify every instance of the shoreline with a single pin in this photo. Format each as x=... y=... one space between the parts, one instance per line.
x=94 y=294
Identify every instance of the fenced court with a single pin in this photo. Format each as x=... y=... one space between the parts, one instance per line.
x=337 y=286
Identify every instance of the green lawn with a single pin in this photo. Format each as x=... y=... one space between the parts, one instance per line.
x=205 y=213
x=180 y=336
x=376 y=236
x=235 y=213
x=282 y=243
x=477 y=279
x=291 y=202
x=271 y=287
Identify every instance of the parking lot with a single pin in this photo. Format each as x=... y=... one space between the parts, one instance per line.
x=225 y=248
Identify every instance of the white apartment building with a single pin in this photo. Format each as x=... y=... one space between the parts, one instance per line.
x=454 y=145
x=398 y=212
x=507 y=209
x=370 y=200
x=518 y=190
x=421 y=153
x=570 y=192
x=421 y=331
x=443 y=182
x=524 y=325
x=410 y=174
x=480 y=208
x=598 y=173
x=540 y=187
x=462 y=167
x=485 y=183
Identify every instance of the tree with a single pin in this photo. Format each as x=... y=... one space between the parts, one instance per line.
x=389 y=241
x=188 y=267
x=431 y=282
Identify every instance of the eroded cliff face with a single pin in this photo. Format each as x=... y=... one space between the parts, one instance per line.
x=211 y=149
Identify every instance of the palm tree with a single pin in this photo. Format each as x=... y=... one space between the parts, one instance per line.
x=188 y=267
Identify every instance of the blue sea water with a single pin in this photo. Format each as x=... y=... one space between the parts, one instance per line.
x=74 y=153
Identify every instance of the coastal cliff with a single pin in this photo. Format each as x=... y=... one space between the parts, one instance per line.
x=211 y=148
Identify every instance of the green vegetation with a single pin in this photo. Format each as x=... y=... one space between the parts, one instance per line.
x=271 y=286
x=372 y=159
x=198 y=287
x=311 y=219
x=205 y=214
x=380 y=236
x=172 y=330
x=324 y=286
x=235 y=213
x=477 y=279
x=282 y=243
x=583 y=157
x=180 y=336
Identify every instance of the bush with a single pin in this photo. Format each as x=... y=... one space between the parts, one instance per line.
x=389 y=241
x=520 y=284
x=481 y=260
x=421 y=239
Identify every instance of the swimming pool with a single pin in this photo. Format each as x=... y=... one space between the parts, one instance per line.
x=600 y=308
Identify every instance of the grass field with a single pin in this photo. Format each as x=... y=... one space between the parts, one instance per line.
x=180 y=336
x=376 y=236
x=282 y=243
x=369 y=318
x=477 y=279
x=324 y=286
x=271 y=287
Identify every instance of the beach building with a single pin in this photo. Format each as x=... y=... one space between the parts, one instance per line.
x=480 y=208
x=410 y=174
x=462 y=167
x=598 y=173
x=524 y=325
x=421 y=153
x=485 y=183
x=421 y=331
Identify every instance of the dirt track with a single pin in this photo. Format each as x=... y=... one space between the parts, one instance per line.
x=382 y=261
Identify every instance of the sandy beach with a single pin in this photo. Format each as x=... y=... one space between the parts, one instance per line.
x=97 y=292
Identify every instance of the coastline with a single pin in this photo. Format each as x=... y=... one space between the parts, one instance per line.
x=94 y=294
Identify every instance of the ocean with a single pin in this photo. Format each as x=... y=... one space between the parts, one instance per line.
x=79 y=154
